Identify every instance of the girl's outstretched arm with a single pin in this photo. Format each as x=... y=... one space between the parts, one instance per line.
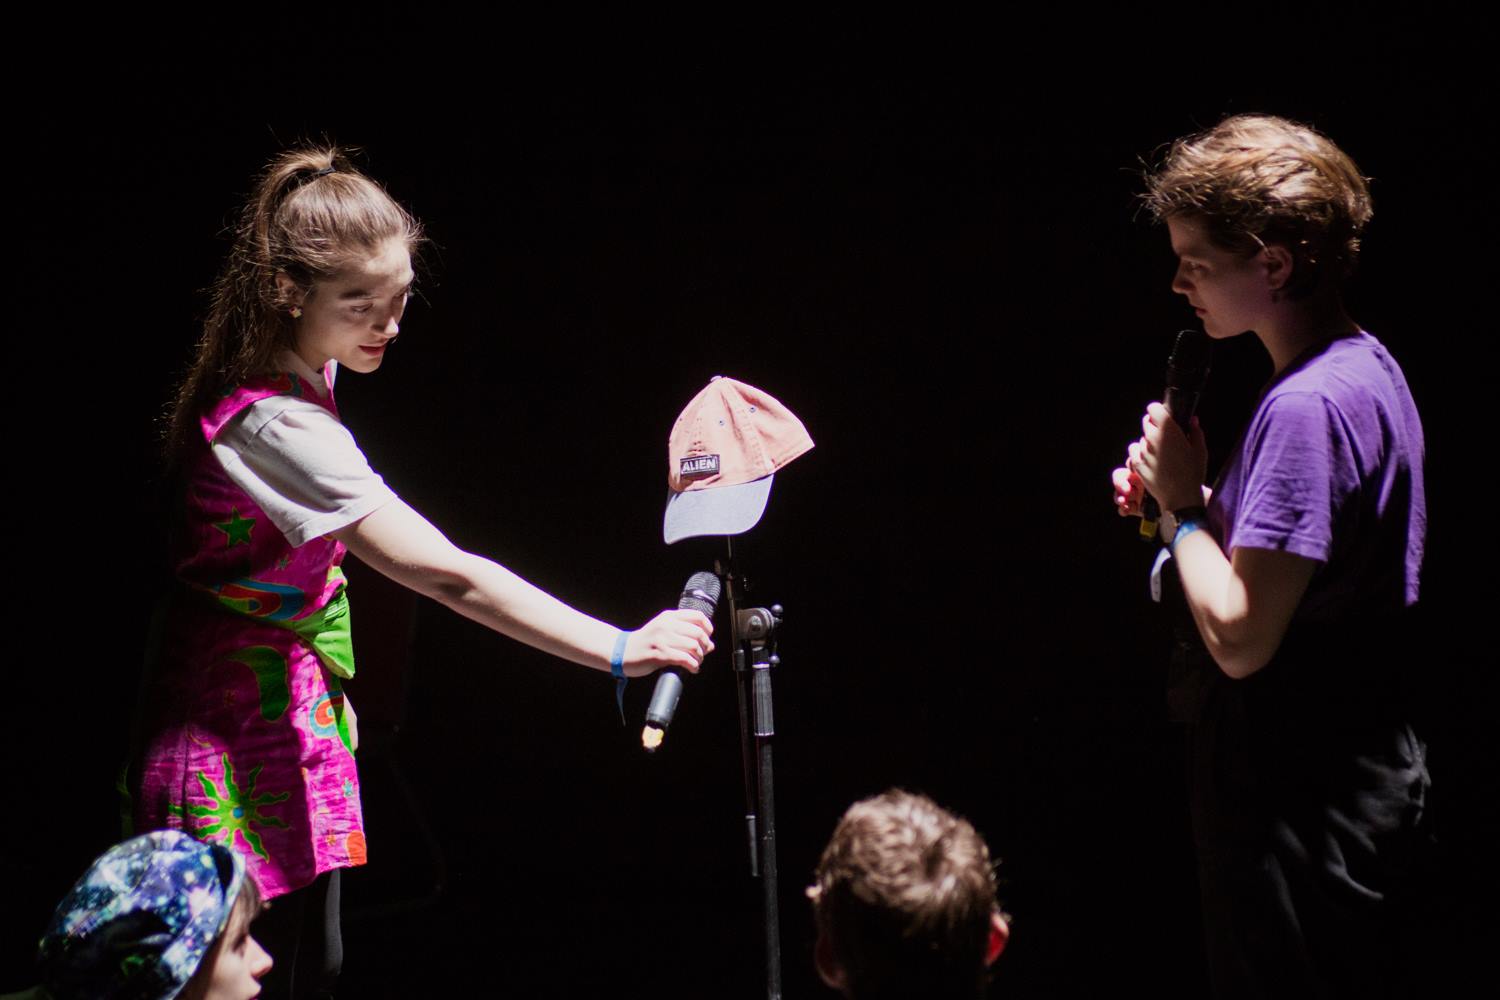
x=406 y=547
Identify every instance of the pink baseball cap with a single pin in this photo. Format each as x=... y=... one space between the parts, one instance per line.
x=721 y=458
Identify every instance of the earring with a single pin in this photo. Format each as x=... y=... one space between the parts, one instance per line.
x=296 y=312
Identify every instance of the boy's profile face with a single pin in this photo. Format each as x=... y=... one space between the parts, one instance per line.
x=233 y=969
x=1229 y=292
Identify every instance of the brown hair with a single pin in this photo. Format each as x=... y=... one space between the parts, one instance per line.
x=1253 y=180
x=905 y=891
x=311 y=214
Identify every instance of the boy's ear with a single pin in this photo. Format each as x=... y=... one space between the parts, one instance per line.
x=999 y=936
x=1279 y=265
x=829 y=969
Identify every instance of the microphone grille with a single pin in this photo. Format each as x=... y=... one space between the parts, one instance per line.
x=1190 y=357
x=701 y=593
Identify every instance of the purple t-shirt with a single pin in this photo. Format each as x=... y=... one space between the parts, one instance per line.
x=1330 y=468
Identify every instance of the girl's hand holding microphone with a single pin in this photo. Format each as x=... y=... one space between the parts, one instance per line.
x=678 y=638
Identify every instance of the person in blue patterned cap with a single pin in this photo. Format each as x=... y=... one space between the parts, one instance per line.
x=161 y=916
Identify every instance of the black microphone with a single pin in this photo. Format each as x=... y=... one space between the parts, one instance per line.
x=1187 y=371
x=700 y=594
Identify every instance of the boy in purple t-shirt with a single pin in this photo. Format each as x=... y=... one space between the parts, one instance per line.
x=1307 y=783
x=1330 y=469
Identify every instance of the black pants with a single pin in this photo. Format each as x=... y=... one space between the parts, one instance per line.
x=301 y=931
x=1307 y=850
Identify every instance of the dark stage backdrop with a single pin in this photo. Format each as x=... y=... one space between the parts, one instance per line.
x=937 y=264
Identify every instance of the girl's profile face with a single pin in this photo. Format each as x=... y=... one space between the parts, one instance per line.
x=351 y=317
x=1229 y=292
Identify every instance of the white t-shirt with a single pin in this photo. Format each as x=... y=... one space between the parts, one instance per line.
x=299 y=463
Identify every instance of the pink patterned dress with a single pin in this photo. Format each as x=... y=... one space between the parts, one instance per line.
x=245 y=740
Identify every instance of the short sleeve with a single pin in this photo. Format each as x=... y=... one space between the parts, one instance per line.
x=1301 y=470
x=301 y=466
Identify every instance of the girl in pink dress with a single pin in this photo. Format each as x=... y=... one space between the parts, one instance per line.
x=247 y=738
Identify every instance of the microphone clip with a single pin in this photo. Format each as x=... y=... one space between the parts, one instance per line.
x=758 y=626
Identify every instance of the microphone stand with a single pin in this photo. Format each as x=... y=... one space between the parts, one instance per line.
x=753 y=638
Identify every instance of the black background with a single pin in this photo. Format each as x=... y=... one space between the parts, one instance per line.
x=926 y=243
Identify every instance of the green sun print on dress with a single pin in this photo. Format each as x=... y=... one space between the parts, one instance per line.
x=233 y=811
x=270 y=678
x=237 y=529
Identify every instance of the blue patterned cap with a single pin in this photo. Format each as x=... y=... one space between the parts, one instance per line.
x=139 y=921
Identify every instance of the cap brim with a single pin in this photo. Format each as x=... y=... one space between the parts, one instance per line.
x=721 y=510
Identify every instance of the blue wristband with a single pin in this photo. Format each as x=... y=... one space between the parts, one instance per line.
x=617 y=668
x=1184 y=528
x=617 y=658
